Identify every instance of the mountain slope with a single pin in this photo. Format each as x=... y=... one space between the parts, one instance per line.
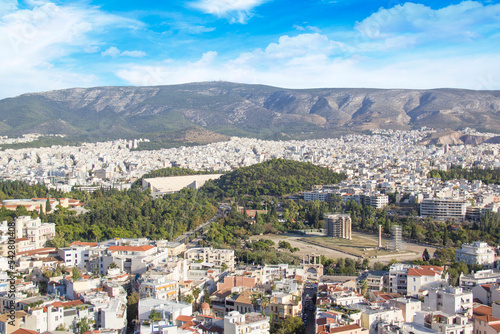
x=240 y=109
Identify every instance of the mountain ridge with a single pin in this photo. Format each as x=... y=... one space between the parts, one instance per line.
x=259 y=111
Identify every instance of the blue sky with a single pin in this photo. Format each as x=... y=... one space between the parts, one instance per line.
x=48 y=45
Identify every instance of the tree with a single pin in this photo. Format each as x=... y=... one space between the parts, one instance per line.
x=76 y=274
x=206 y=296
x=425 y=255
x=196 y=293
x=264 y=301
x=292 y=325
x=132 y=304
x=364 y=287
x=255 y=300
x=48 y=207
x=83 y=326
x=154 y=316
x=189 y=298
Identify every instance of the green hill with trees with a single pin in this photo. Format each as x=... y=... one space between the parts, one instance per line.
x=276 y=177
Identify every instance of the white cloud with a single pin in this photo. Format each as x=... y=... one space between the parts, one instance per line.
x=112 y=52
x=467 y=20
x=312 y=60
x=7 y=6
x=237 y=10
x=115 y=52
x=31 y=40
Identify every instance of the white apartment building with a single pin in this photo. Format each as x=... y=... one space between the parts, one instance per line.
x=216 y=256
x=444 y=208
x=487 y=294
x=476 y=253
x=159 y=288
x=410 y=280
x=255 y=323
x=371 y=318
x=486 y=276
x=317 y=195
x=451 y=300
x=75 y=256
x=444 y=323
x=378 y=201
x=169 y=311
x=409 y=307
x=37 y=232
x=113 y=315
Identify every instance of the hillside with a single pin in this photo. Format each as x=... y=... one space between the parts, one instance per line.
x=172 y=112
x=275 y=177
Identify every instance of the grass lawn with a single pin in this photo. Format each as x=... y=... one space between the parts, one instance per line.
x=363 y=246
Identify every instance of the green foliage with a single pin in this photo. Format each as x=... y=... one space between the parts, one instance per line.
x=154 y=316
x=134 y=213
x=189 y=298
x=291 y=325
x=76 y=274
x=487 y=176
x=276 y=177
x=83 y=326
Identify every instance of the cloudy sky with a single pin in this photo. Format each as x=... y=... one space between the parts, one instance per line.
x=288 y=43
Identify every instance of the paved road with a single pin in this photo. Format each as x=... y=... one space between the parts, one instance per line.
x=308 y=308
x=184 y=237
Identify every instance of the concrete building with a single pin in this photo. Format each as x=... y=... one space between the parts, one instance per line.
x=371 y=318
x=480 y=277
x=285 y=305
x=444 y=208
x=409 y=280
x=487 y=294
x=409 y=307
x=444 y=323
x=159 y=288
x=75 y=256
x=113 y=315
x=476 y=253
x=451 y=300
x=378 y=201
x=37 y=232
x=237 y=323
x=219 y=257
x=338 y=226
x=168 y=310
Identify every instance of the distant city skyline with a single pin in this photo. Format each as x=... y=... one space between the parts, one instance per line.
x=292 y=44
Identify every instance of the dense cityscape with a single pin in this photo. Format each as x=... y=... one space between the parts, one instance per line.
x=405 y=279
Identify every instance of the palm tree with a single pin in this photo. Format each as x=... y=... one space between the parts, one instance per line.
x=263 y=304
x=255 y=300
x=196 y=293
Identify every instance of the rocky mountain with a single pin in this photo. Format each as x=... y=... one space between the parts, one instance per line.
x=223 y=108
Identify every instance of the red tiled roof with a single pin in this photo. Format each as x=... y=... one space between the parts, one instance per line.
x=482 y=310
x=487 y=318
x=495 y=327
x=131 y=248
x=83 y=243
x=45 y=250
x=344 y=328
x=24 y=331
x=421 y=272
x=184 y=318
